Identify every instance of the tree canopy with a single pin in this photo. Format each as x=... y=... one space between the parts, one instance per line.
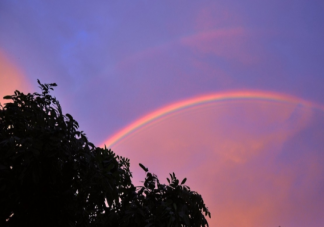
x=51 y=175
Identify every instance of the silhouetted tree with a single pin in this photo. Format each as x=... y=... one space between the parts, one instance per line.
x=160 y=205
x=51 y=175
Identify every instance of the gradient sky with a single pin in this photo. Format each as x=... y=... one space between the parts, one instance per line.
x=256 y=161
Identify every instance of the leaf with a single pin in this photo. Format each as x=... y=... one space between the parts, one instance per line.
x=184 y=181
x=143 y=167
x=175 y=206
x=69 y=116
x=110 y=167
x=7 y=97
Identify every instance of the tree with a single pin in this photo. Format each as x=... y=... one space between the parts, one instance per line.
x=160 y=205
x=51 y=175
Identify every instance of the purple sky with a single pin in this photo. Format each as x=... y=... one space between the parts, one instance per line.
x=116 y=61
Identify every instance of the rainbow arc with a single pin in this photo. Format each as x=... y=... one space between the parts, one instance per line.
x=217 y=97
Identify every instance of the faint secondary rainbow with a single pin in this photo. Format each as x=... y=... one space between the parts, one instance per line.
x=224 y=96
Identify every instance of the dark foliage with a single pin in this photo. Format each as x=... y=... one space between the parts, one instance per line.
x=160 y=205
x=51 y=175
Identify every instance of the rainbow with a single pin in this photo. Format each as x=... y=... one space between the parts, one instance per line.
x=224 y=96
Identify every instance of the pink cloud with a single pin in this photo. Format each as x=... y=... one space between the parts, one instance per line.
x=229 y=43
x=215 y=16
x=11 y=78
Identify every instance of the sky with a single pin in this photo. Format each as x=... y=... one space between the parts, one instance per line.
x=226 y=93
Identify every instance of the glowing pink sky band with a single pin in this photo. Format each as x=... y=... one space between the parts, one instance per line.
x=231 y=95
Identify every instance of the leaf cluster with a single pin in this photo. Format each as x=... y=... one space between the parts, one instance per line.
x=160 y=205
